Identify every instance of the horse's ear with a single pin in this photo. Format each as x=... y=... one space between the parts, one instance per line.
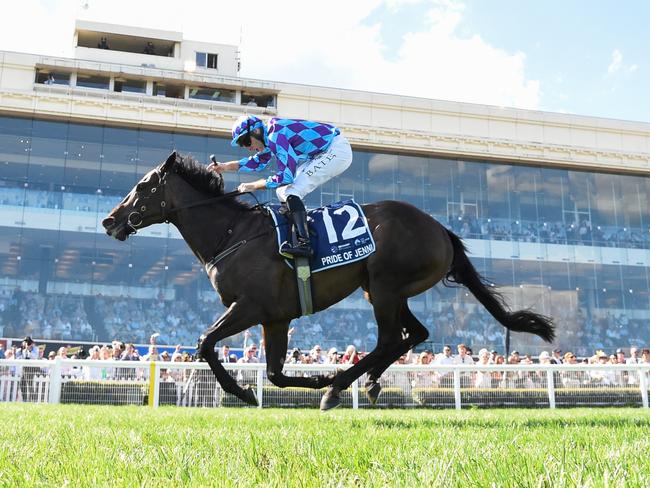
x=170 y=162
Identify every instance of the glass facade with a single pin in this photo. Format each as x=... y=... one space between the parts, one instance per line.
x=574 y=245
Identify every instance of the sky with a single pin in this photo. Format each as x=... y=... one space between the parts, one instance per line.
x=586 y=57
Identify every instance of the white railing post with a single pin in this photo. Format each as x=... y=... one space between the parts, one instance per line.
x=260 y=386
x=355 y=394
x=154 y=384
x=643 y=384
x=457 y=388
x=54 y=395
x=550 y=383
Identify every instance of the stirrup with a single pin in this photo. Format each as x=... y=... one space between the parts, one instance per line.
x=303 y=249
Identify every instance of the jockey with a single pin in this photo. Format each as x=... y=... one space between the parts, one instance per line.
x=307 y=153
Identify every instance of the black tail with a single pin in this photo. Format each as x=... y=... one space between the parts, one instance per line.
x=462 y=271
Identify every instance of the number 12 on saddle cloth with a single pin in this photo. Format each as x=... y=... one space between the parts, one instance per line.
x=339 y=234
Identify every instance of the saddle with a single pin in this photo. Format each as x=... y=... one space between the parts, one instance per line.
x=339 y=235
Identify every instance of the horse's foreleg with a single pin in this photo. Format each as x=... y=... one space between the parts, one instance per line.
x=237 y=318
x=275 y=336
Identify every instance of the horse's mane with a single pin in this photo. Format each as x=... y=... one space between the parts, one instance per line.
x=199 y=177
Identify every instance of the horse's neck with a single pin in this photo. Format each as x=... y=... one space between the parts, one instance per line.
x=203 y=227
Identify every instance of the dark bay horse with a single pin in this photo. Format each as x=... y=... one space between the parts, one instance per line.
x=236 y=243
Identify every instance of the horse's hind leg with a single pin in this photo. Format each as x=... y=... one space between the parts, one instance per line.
x=411 y=333
x=387 y=313
x=275 y=337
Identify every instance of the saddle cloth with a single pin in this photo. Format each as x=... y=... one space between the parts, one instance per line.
x=339 y=234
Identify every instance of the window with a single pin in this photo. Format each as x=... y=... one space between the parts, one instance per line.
x=206 y=60
x=167 y=90
x=52 y=78
x=131 y=86
x=257 y=100
x=212 y=94
x=92 y=81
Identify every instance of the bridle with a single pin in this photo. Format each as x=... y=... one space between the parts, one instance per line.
x=135 y=218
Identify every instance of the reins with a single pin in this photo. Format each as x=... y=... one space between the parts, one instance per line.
x=134 y=219
x=231 y=194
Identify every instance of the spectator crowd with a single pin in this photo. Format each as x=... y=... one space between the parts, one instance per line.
x=178 y=321
x=253 y=352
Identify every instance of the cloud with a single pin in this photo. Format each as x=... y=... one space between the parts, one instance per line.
x=617 y=61
x=618 y=66
x=331 y=46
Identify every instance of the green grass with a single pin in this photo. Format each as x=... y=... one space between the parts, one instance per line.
x=68 y=445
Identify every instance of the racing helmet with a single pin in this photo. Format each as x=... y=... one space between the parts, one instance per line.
x=243 y=126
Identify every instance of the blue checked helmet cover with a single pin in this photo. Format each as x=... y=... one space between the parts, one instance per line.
x=243 y=125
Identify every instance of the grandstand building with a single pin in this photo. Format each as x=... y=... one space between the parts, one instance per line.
x=555 y=208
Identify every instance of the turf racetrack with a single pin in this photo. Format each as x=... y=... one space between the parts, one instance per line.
x=82 y=445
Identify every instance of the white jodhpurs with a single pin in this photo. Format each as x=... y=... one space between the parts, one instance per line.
x=322 y=168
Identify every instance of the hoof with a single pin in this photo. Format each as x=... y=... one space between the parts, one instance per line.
x=331 y=399
x=249 y=396
x=372 y=392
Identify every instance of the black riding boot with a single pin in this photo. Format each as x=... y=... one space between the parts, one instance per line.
x=298 y=216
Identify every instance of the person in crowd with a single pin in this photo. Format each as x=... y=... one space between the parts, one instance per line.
x=446 y=357
x=224 y=356
x=483 y=379
x=149 y=48
x=539 y=378
x=514 y=379
x=601 y=377
x=620 y=356
x=571 y=379
x=261 y=351
x=423 y=379
x=249 y=355
x=645 y=356
x=317 y=355
x=493 y=356
x=308 y=154
x=463 y=356
x=332 y=356
x=295 y=356
x=557 y=356
x=248 y=376
x=634 y=356
x=91 y=372
x=205 y=387
x=351 y=355
x=497 y=376
x=130 y=353
x=8 y=370
x=152 y=354
x=103 y=43
x=446 y=378
x=117 y=350
x=28 y=351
